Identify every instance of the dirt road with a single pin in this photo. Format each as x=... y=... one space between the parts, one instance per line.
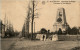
x=44 y=45
x=6 y=43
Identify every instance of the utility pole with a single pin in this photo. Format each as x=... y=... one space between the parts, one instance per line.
x=34 y=27
x=5 y=21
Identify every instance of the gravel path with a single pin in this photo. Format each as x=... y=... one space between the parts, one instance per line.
x=44 y=45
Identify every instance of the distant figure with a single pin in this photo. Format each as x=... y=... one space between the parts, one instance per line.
x=43 y=37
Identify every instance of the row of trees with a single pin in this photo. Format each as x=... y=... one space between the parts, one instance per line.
x=11 y=33
x=71 y=31
x=43 y=30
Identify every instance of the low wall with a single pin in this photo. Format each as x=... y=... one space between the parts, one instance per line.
x=69 y=37
x=60 y=37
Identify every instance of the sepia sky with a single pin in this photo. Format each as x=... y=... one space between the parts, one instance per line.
x=16 y=12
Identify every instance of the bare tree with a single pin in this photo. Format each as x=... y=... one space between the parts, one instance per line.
x=30 y=14
x=34 y=5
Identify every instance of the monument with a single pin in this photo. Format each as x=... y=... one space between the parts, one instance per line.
x=61 y=22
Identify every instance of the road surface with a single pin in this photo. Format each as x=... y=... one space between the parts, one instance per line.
x=44 y=45
x=6 y=43
x=17 y=44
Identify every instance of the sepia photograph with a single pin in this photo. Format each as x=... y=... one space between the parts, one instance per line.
x=39 y=25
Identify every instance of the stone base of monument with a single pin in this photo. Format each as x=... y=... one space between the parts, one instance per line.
x=55 y=37
x=40 y=37
x=50 y=37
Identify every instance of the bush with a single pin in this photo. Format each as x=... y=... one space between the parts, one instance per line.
x=76 y=48
x=43 y=30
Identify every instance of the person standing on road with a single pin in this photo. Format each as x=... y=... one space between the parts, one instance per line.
x=43 y=37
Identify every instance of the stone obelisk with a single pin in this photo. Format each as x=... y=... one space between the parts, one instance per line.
x=61 y=22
